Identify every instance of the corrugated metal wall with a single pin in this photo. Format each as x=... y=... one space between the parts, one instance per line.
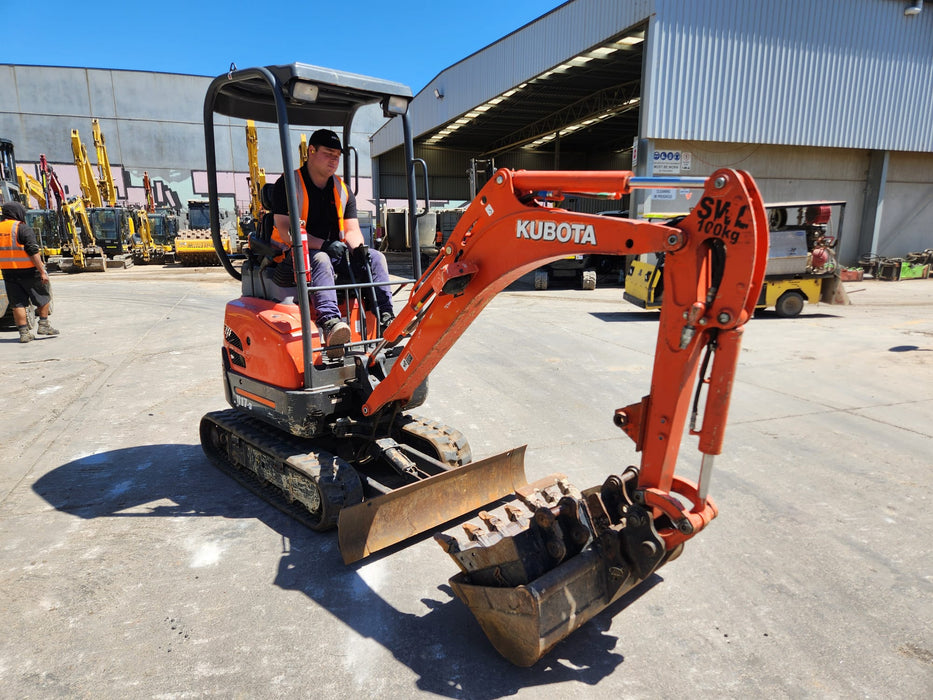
x=144 y=131
x=851 y=74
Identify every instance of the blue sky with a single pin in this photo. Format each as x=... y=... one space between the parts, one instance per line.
x=408 y=41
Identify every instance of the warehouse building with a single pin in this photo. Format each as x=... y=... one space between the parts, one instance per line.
x=817 y=99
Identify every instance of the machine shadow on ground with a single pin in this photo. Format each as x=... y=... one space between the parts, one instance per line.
x=644 y=316
x=627 y=316
x=445 y=647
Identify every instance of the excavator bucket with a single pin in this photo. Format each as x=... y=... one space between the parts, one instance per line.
x=87 y=263
x=382 y=521
x=537 y=569
x=95 y=264
x=524 y=622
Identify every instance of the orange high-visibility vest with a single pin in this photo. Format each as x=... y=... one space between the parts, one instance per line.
x=341 y=195
x=12 y=255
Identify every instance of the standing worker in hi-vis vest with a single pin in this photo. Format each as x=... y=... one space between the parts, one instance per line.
x=327 y=210
x=24 y=273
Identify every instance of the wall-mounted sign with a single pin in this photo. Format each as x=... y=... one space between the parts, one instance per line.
x=666 y=162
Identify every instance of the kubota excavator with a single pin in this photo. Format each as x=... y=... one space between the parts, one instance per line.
x=331 y=439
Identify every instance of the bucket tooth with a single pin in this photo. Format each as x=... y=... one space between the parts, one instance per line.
x=492 y=522
x=513 y=513
x=473 y=532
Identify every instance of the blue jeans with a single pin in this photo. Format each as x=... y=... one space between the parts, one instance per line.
x=324 y=270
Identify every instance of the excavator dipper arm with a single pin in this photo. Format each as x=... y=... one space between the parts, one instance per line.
x=517 y=573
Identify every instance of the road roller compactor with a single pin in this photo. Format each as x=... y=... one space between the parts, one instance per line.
x=333 y=441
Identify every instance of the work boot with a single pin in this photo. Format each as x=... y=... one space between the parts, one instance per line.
x=25 y=334
x=45 y=328
x=337 y=334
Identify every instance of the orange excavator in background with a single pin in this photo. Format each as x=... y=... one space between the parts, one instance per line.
x=331 y=440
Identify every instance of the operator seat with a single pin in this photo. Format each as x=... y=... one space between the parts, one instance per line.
x=257 y=270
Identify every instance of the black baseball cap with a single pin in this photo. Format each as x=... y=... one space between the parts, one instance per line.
x=326 y=138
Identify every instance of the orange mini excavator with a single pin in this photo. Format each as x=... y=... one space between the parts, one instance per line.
x=331 y=440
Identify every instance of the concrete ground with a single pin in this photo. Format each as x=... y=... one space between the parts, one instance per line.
x=130 y=568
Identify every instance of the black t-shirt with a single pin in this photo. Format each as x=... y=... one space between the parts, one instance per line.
x=322 y=217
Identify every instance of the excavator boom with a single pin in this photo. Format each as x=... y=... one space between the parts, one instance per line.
x=89 y=190
x=30 y=187
x=108 y=191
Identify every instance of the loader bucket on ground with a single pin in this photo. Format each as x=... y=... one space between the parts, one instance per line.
x=525 y=622
x=380 y=522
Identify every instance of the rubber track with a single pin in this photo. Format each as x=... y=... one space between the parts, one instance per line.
x=281 y=447
x=451 y=445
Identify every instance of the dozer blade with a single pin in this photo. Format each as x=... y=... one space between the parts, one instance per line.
x=380 y=522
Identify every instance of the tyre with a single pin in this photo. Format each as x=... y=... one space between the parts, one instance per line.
x=540 y=279
x=789 y=304
x=589 y=279
x=777 y=218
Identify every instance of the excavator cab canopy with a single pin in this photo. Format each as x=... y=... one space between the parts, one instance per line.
x=314 y=96
x=302 y=95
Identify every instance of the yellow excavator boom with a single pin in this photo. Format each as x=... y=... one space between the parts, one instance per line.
x=108 y=192
x=30 y=187
x=89 y=191
x=257 y=175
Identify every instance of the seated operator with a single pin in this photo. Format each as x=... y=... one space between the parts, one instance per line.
x=327 y=210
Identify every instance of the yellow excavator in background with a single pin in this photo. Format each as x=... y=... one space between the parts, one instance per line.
x=144 y=249
x=114 y=227
x=43 y=220
x=78 y=250
x=163 y=224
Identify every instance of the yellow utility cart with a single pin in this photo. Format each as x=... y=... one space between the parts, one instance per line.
x=802 y=266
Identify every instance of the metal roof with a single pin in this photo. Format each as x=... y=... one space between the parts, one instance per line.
x=564 y=68
x=603 y=92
